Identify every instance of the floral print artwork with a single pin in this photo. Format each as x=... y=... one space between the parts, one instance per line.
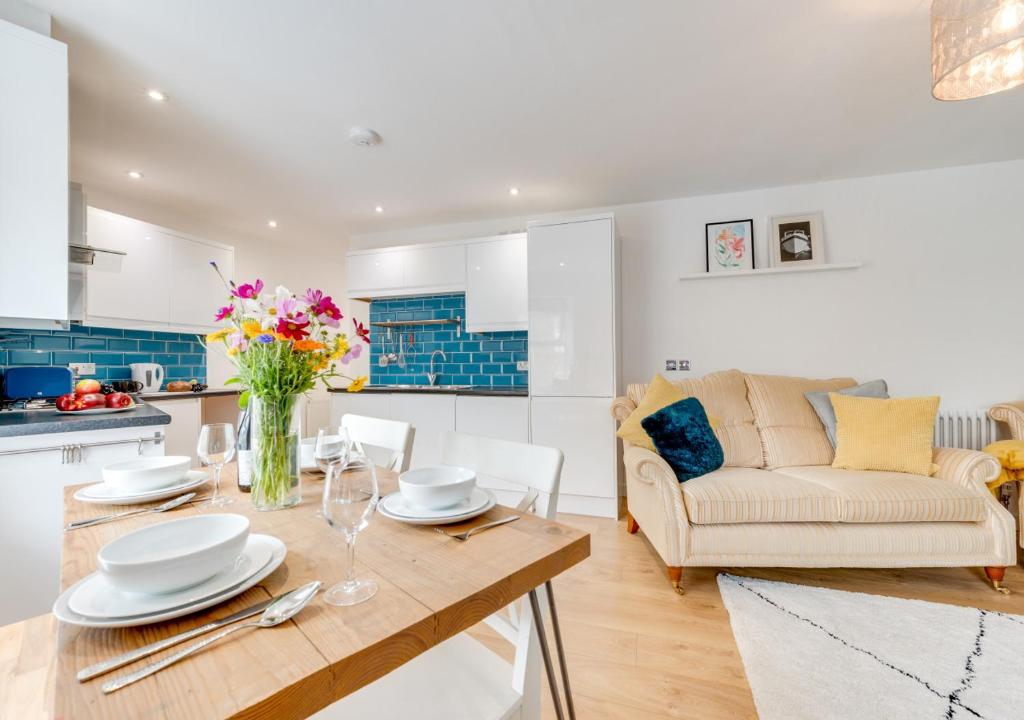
x=729 y=245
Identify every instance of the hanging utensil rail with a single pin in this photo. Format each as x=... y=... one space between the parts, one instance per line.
x=72 y=452
x=407 y=323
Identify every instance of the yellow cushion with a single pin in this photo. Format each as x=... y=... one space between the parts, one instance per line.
x=1010 y=454
x=894 y=435
x=660 y=393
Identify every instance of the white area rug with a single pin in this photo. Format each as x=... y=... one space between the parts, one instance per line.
x=827 y=654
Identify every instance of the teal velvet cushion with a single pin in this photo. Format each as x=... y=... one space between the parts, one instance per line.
x=683 y=436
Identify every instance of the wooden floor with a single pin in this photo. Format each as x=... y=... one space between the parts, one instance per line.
x=638 y=650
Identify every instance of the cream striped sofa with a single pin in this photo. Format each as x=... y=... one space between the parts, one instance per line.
x=777 y=502
x=1012 y=414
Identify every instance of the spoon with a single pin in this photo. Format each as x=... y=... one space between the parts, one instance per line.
x=169 y=505
x=282 y=609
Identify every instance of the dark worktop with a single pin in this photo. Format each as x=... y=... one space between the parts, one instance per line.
x=43 y=422
x=209 y=392
x=427 y=390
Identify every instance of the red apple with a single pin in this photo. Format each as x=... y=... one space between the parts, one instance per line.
x=87 y=386
x=90 y=400
x=119 y=400
x=66 y=402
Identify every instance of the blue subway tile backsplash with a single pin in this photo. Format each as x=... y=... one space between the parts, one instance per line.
x=181 y=354
x=484 y=359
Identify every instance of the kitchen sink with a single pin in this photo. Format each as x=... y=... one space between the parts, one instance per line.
x=430 y=387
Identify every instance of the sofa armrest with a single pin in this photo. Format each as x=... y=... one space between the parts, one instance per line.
x=622 y=408
x=969 y=468
x=1012 y=414
x=649 y=467
x=655 y=501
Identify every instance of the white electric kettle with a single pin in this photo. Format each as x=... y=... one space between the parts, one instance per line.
x=150 y=375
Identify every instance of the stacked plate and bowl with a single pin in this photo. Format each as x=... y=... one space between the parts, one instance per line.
x=170 y=569
x=143 y=480
x=436 y=496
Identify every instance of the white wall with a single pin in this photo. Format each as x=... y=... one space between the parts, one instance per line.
x=23 y=14
x=936 y=309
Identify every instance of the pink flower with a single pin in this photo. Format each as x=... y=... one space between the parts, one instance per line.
x=736 y=245
x=224 y=312
x=351 y=354
x=287 y=307
x=238 y=342
x=313 y=297
x=328 y=313
x=248 y=291
x=361 y=331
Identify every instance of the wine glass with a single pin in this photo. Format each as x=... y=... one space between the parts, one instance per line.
x=350 y=497
x=216 y=447
x=332 y=447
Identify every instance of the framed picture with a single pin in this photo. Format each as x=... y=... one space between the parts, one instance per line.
x=796 y=240
x=729 y=245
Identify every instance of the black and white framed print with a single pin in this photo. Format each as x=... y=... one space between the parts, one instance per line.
x=796 y=240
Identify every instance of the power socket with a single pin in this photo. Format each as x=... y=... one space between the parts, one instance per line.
x=522 y=365
x=671 y=366
x=80 y=369
x=684 y=365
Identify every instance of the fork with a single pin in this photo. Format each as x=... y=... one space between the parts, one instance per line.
x=463 y=536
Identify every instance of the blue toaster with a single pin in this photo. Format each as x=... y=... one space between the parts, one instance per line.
x=37 y=381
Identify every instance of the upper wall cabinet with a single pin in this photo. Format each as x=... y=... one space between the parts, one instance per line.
x=165 y=281
x=496 y=287
x=398 y=271
x=33 y=176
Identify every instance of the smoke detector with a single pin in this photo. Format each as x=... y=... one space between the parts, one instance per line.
x=364 y=136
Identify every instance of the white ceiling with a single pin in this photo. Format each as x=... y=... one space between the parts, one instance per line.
x=579 y=103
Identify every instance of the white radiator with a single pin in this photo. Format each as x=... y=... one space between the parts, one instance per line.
x=970 y=429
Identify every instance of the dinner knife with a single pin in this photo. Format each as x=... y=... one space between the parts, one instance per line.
x=146 y=650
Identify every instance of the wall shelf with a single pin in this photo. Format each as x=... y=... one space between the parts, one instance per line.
x=406 y=323
x=771 y=271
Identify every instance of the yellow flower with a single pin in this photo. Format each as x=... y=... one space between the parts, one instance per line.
x=219 y=335
x=318 y=362
x=232 y=351
x=357 y=384
x=307 y=345
x=251 y=328
x=341 y=348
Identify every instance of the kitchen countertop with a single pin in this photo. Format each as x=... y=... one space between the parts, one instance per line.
x=42 y=422
x=209 y=392
x=426 y=390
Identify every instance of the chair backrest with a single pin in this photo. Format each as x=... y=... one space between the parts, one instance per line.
x=507 y=464
x=387 y=443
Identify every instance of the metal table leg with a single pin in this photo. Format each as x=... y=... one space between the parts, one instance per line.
x=538 y=620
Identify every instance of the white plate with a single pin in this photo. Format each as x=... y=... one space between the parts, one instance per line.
x=98 y=410
x=95 y=597
x=66 y=614
x=394 y=506
x=104 y=494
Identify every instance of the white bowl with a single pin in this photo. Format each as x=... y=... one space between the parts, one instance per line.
x=147 y=473
x=436 y=488
x=307 y=455
x=173 y=555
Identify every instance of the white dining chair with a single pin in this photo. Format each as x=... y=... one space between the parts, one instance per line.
x=387 y=443
x=461 y=679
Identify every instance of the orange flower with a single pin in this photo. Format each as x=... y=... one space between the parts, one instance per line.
x=307 y=345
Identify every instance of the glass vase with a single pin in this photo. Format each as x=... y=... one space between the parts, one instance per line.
x=276 y=424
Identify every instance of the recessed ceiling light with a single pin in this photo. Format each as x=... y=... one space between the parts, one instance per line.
x=134 y=174
x=272 y=223
x=364 y=136
x=379 y=209
x=156 y=96
x=513 y=191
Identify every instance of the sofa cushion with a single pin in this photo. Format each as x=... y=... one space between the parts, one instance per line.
x=869 y=496
x=822 y=404
x=747 y=495
x=682 y=435
x=790 y=431
x=892 y=435
x=660 y=393
x=724 y=397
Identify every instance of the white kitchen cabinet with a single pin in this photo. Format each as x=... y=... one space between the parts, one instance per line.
x=505 y=418
x=31 y=515
x=33 y=177
x=372 y=272
x=186 y=421
x=431 y=416
x=435 y=269
x=140 y=289
x=496 y=284
x=376 y=405
x=572 y=290
x=196 y=290
x=583 y=429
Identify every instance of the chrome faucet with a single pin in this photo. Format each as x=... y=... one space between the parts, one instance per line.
x=432 y=376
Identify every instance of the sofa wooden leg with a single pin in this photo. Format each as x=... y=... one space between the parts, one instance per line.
x=675 y=574
x=996 y=575
x=631 y=524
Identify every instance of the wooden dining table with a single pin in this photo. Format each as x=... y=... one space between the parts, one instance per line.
x=431 y=588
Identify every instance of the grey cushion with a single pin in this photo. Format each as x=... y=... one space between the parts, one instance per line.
x=822 y=404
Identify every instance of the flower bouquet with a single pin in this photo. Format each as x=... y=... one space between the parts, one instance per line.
x=282 y=345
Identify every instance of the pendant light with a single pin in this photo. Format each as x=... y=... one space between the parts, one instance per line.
x=977 y=47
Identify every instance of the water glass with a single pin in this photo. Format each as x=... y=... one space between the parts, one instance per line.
x=350 y=497
x=216 y=447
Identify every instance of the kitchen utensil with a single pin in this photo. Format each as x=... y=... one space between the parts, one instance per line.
x=395 y=507
x=102 y=668
x=279 y=611
x=401 y=350
x=464 y=536
x=126 y=386
x=32 y=381
x=392 y=356
x=64 y=613
x=169 y=505
x=146 y=473
x=102 y=493
x=174 y=554
x=412 y=341
x=437 y=488
x=150 y=375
